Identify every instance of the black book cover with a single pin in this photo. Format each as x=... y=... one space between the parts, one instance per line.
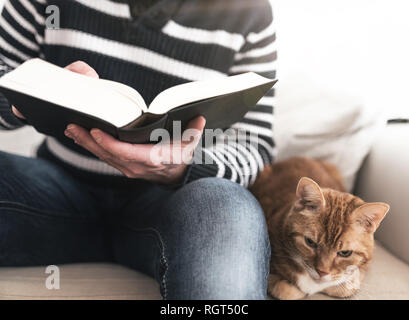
x=220 y=112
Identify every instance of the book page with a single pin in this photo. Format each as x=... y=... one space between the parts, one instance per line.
x=200 y=90
x=127 y=91
x=113 y=102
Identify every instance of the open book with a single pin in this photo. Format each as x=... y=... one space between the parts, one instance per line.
x=51 y=97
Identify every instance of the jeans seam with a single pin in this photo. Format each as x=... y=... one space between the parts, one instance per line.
x=35 y=212
x=163 y=259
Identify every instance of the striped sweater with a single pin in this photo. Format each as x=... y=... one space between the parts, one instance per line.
x=169 y=43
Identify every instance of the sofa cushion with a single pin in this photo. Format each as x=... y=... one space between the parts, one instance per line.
x=98 y=281
x=329 y=129
x=385 y=177
x=322 y=107
x=388 y=278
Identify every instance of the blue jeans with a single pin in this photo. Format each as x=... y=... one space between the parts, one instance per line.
x=207 y=240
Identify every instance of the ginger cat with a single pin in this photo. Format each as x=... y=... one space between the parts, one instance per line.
x=321 y=237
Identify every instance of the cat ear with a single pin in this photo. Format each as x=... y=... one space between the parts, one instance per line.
x=370 y=215
x=309 y=193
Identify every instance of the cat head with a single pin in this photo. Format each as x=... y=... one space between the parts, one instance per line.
x=330 y=232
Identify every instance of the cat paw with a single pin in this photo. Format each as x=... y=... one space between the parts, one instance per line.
x=283 y=290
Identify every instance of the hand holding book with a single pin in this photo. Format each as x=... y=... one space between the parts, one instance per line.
x=141 y=161
x=113 y=121
x=134 y=161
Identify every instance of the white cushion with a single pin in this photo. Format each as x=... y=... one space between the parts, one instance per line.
x=385 y=177
x=78 y=281
x=322 y=109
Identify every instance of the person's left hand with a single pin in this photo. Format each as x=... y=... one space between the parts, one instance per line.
x=164 y=163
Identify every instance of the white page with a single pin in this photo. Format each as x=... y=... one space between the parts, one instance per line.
x=195 y=91
x=126 y=91
x=101 y=99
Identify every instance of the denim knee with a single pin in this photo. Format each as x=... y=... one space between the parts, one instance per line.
x=218 y=245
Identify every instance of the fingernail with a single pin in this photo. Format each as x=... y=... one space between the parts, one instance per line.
x=68 y=134
x=96 y=134
x=70 y=131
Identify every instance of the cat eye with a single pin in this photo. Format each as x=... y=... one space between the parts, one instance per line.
x=310 y=243
x=344 y=253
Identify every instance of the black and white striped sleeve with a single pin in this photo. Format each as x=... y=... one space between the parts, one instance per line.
x=21 y=37
x=252 y=147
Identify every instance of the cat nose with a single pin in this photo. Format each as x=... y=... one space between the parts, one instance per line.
x=321 y=273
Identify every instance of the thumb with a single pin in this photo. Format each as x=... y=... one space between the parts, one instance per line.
x=82 y=68
x=194 y=131
x=198 y=124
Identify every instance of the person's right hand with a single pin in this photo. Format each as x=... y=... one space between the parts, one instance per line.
x=78 y=67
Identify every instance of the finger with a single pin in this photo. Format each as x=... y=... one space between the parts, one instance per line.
x=190 y=140
x=82 y=68
x=122 y=150
x=84 y=139
x=198 y=123
x=194 y=131
x=181 y=152
x=17 y=113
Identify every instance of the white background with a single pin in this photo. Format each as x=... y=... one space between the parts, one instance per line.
x=359 y=47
